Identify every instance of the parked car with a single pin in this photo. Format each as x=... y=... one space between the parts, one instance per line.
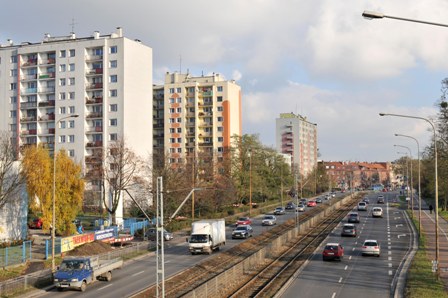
x=151 y=233
x=242 y=231
x=362 y=206
x=333 y=251
x=269 y=220
x=312 y=203
x=243 y=221
x=377 y=212
x=371 y=247
x=300 y=208
x=348 y=230
x=380 y=200
x=353 y=217
x=279 y=211
x=35 y=223
x=290 y=206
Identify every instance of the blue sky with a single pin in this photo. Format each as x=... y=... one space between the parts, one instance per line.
x=319 y=58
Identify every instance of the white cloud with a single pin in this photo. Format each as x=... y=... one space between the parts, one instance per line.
x=237 y=75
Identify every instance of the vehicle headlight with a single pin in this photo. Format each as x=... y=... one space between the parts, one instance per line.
x=56 y=279
x=74 y=279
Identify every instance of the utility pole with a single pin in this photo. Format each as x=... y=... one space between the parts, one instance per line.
x=160 y=259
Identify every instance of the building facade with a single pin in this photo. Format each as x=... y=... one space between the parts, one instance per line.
x=195 y=116
x=297 y=137
x=105 y=81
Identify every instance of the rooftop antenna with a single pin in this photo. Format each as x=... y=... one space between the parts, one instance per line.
x=73 y=25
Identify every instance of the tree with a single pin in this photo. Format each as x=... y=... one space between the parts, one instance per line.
x=38 y=172
x=10 y=176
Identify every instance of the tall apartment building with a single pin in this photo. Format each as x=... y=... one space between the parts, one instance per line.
x=105 y=79
x=298 y=137
x=195 y=115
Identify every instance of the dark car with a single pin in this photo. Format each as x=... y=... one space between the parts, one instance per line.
x=353 y=217
x=290 y=206
x=151 y=233
x=366 y=200
x=35 y=223
x=333 y=251
x=380 y=200
x=318 y=201
x=243 y=231
x=348 y=230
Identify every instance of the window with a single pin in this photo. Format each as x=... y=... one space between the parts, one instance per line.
x=62 y=110
x=179 y=130
x=13 y=86
x=171 y=90
x=179 y=120
x=172 y=150
x=220 y=119
x=13 y=99
x=61 y=139
x=179 y=100
x=113 y=122
x=172 y=130
x=71 y=110
x=220 y=139
x=62 y=68
x=220 y=109
x=113 y=107
x=113 y=79
x=13 y=73
x=172 y=140
x=62 y=95
x=62 y=124
x=113 y=93
x=72 y=53
x=71 y=153
x=71 y=95
x=98 y=52
x=71 y=138
x=171 y=110
x=62 y=54
x=61 y=82
x=113 y=137
x=220 y=128
x=113 y=64
x=220 y=149
x=171 y=120
x=219 y=98
x=13 y=59
x=71 y=67
x=179 y=110
x=71 y=81
x=171 y=100
x=179 y=90
x=179 y=150
x=219 y=88
x=12 y=114
x=179 y=140
x=71 y=124
x=113 y=49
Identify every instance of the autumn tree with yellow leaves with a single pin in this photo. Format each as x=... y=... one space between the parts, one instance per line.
x=38 y=171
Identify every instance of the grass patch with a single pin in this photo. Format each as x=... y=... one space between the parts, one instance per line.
x=11 y=272
x=421 y=281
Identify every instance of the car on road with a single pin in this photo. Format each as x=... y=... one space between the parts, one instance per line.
x=362 y=206
x=366 y=200
x=348 y=230
x=371 y=247
x=35 y=223
x=353 y=217
x=243 y=221
x=300 y=208
x=304 y=201
x=151 y=233
x=380 y=200
x=333 y=251
x=377 y=212
x=312 y=203
x=318 y=201
x=269 y=220
x=290 y=206
x=242 y=232
x=279 y=211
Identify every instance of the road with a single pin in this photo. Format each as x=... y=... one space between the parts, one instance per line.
x=356 y=275
x=141 y=273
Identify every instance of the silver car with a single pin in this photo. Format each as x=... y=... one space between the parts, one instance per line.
x=269 y=220
x=371 y=247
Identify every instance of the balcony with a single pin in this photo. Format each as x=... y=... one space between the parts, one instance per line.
x=49 y=131
x=49 y=103
x=29 y=91
x=95 y=71
x=29 y=63
x=95 y=129
x=46 y=90
x=50 y=75
x=30 y=77
x=28 y=119
x=48 y=61
x=28 y=132
x=95 y=115
x=91 y=58
x=95 y=144
x=94 y=100
x=94 y=86
x=206 y=93
x=93 y=159
x=202 y=114
x=208 y=144
x=28 y=105
x=207 y=103
x=49 y=117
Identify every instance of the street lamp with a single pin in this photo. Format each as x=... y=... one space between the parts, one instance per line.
x=419 y=188
x=53 y=221
x=436 y=204
x=378 y=15
x=412 y=181
x=250 y=181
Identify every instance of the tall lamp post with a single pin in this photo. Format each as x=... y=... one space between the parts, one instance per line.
x=250 y=182
x=412 y=181
x=436 y=189
x=419 y=186
x=53 y=221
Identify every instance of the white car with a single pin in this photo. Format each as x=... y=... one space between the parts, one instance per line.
x=362 y=206
x=269 y=220
x=300 y=208
x=371 y=247
x=377 y=212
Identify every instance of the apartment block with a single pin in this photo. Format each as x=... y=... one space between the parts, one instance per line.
x=297 y=137
x=104 y=80
x=195 y=115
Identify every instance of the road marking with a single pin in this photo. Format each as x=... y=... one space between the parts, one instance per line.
x=396 y=212
x=390 y=272
x=389 y=242
x=346 y=266
x=389 y=258
x=350 y=257
x=135 y=274
x=356 y=242
x=388 y=232
x=389 y=247
x=389 y=252
x=399 y=225
x=395 y=218
x=401 y=235
x=340 y=279
x=390 y=264
x=104 y=287
x=334 y=295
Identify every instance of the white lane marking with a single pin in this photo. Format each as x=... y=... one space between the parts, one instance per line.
x=350 y=257
x=104 y=287
x=390 y=272
x=340 y=279
x=135 y=274
x=389 y=252
x=401 y=235
x=353 y=249
x=399 y=225
x=346 y=266
x=389 y=243
x=389 y=258
x=356 y=242
x=334 y=295
x=389 y=247
x=390 y=264
x=395 y=218
x=388 y=232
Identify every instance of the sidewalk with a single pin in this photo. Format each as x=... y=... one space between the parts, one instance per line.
x=428 y=228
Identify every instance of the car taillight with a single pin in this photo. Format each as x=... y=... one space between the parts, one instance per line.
x=364 y=247
x=376 y=247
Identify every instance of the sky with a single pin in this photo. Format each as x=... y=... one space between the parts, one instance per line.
x=317 y=58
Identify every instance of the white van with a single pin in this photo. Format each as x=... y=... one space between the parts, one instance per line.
x=362 y=206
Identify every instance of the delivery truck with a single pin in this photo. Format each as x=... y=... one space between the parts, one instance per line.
x=78 y=272
x=207 y=236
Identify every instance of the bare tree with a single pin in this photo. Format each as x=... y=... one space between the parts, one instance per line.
x=10 y=176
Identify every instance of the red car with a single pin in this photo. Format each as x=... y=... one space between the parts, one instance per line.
x=243 y=221
x=333 y=251
x=35 y=224
x=312 y=203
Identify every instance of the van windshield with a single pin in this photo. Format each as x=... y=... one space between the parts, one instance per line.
x=198 y=239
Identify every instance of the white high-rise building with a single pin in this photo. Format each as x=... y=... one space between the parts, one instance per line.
x=297 y=137
x=105 y=79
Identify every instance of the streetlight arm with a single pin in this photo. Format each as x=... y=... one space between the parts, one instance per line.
x=378 y=15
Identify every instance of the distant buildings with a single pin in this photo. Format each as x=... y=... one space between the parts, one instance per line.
x=297 y=137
